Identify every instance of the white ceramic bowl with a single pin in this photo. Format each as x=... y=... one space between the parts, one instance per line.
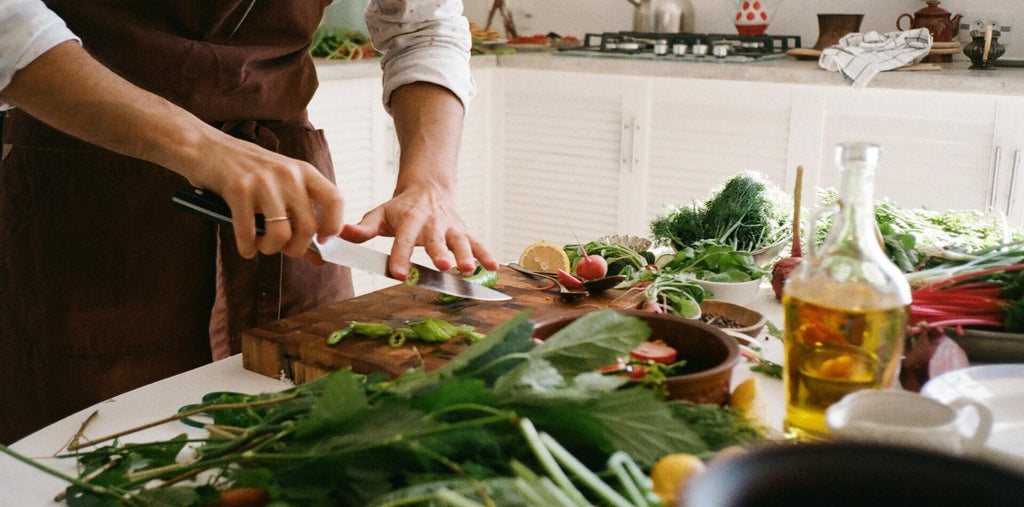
x=739 y=293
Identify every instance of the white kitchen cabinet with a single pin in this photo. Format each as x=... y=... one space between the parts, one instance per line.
x=605 y=154
x=1008 y=156
x=567 y=157
x=937 y=148
x=701 y=131
x=548 y=152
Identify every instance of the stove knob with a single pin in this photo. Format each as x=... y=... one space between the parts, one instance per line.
x=661 y=47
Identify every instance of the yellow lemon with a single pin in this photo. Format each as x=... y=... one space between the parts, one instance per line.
x=672 y=473
x=745 y=399
x=544 y=256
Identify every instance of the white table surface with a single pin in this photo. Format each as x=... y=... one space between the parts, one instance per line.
x=23 y=486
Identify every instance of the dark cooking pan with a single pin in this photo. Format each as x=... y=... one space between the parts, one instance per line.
x=853 y=474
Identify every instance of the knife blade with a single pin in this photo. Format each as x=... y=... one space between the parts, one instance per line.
x=338 y=251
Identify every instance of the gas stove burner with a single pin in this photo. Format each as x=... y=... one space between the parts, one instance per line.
x=672 y=46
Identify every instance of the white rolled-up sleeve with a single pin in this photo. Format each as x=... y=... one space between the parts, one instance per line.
x=27 y=29
x=422 y=40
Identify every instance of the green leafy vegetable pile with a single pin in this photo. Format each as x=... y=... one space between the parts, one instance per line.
x=917 y=238
x=749 y=212
x=346 y=439
x=341 y=45
x=715 y=261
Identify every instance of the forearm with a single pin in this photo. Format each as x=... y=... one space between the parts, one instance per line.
x=69 y=90
x=428 y=121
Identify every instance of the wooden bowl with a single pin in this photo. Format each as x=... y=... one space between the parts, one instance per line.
x=750 y=322
x=710 y=354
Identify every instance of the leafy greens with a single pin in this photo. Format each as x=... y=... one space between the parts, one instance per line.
x=346 y=439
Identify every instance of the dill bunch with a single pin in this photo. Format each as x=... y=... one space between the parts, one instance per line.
x=748 y=212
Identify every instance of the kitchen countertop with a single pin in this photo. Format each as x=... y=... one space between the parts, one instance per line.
x=952 y=77
x=24 y=486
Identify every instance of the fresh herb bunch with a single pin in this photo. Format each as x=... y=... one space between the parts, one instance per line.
x=749 y=212
x=714 y=261
x=916 y=238
x=347 y=439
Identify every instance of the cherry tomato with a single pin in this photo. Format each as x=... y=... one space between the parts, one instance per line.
x=657 y=352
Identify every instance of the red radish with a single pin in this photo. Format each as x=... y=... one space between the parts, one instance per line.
x=589 y=267
x=783 y=267
x=570 y=282
x=653 y=351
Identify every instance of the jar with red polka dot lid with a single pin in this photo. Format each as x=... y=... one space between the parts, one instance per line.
x=752 y=16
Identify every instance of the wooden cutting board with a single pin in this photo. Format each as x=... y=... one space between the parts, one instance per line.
x=296 y=347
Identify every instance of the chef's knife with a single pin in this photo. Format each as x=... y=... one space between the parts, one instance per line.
x=338 y=251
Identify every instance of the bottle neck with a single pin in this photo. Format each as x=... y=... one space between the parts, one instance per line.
x=855 y=221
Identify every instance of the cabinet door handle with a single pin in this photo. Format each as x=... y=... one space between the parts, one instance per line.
x=994 y=179
x=627 y=144
x=1013 y=182
x=636 y=137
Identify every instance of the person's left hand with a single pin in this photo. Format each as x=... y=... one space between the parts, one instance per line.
x=422 y=215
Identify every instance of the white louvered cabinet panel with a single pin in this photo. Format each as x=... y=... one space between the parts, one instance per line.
x=702 y=132
x=1008 y=195
x=562 y=158
x=937 y=148
x=345 y=110
x=474 y=188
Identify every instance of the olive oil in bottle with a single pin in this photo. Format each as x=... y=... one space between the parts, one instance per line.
x=845 y=306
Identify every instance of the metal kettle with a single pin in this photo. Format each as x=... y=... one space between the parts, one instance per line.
x=662 y=16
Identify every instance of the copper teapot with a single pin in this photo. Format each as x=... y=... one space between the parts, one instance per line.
x=942 y=25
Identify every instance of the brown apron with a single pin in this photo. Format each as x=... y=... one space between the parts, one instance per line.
x=104 y=286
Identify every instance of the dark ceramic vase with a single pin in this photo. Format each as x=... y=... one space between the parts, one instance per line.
x=975 y=50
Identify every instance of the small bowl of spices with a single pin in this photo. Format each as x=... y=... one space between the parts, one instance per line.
x=726 y=315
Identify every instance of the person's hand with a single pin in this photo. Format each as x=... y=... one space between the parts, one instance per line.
x=62 y=84
x=422 y=215
x=254 y=180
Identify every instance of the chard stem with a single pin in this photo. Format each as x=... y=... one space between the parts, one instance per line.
x=548 y=462
x=181 y=415
x=453 y=498
x=580 y=470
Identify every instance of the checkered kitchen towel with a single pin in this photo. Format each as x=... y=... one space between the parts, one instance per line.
x=859 y=56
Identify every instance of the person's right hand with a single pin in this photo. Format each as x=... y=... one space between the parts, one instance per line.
x=69 y=90
x=254 y=180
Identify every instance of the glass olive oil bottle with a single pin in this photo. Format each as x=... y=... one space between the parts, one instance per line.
x=845 y=306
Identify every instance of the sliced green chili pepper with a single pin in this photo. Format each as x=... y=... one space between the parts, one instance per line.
x=367 y=329
x=414 y=276
x=338 y=335
x=370 y=329
x=480 y=276
x=432 y=330
x=398 y=336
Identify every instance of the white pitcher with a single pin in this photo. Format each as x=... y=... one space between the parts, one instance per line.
x=906 y=418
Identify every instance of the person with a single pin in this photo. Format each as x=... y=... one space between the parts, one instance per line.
x=111 y=106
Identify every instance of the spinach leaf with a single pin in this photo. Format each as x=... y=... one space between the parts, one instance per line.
x=481 y=359
x=596 y=339
x=342 y=398
x=637 y=422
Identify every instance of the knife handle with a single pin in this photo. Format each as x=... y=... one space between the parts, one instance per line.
x=209 y=206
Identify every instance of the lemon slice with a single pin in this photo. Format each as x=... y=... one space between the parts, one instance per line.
x=544 y=256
